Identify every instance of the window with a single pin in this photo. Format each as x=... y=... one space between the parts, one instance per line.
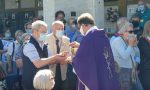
x=40 y=3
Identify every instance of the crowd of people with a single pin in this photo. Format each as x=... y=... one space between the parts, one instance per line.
x=77 y=55
x=50 y=47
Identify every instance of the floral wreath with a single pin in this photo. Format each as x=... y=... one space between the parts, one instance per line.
x=112 y=15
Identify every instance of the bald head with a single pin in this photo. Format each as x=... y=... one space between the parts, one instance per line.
x=57 y=25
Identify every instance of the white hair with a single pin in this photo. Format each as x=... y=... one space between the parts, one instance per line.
x=123 y=24
x=58 y=22
x=43 y=80
x=37 y=24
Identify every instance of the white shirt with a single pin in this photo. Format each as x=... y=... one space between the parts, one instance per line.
x=123 y=53
x=31 y=52
x=94 y=27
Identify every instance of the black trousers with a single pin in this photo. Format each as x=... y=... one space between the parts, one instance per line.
x=70 y=83
x=145 y=79
x=62 y=86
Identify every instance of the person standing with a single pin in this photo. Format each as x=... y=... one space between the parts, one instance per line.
x=36 y=55
x=144 y=67
x=70 y=29
x=119 y=24
x=59 y=43
x=135 y=20
x=144 y=12
x=27 y=27
x=12 y=70
x=126 y=55
x=93 y=62
x=2 y=72
x=18 y=57
x=60 y=15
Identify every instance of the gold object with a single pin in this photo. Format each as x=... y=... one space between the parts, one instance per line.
x=69 y=59
x=74 y=50
x=65 y=53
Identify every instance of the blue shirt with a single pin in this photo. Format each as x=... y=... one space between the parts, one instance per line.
x=70 y=31
x=77 y=37
x=123 y=54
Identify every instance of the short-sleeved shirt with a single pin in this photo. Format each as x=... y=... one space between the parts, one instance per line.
x=6 y=44
x=30 y=51
x=11 y=48
x=19 y=52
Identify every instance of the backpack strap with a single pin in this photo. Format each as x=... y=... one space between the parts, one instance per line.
x=1 y=43
x=13 y=50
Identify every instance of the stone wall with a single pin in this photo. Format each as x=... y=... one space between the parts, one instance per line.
x=10 y=4
x=95 y=7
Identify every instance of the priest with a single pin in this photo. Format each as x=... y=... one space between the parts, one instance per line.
x=94 y=62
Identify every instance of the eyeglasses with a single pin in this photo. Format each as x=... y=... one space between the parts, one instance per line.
x=131 y=31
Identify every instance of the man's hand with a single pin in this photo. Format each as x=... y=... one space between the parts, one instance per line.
x=60 y=58
x=75 y=44
x=68 y=60
x=65 y=53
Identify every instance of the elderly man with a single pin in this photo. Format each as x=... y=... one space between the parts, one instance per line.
x=94 y=63
x=12 y=78
x=36 y=55
x=58 y=43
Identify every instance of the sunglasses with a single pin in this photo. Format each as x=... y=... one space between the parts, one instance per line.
x=131 y=31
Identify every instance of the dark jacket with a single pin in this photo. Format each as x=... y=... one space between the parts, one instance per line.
x=144 y=47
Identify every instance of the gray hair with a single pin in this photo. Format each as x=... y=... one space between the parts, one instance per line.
x=58 y=22
x=123 y=24
x=24 y=35
x=37 y=24
x=43 y=80
x=17 y=32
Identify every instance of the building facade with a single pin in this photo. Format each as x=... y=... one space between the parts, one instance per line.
x=15 y=13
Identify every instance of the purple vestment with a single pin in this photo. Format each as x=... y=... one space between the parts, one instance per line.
x=94 y=63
